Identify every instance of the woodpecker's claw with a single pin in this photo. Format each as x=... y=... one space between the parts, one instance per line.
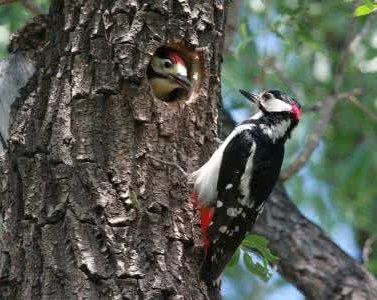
x=181 y=80
x=250 y=96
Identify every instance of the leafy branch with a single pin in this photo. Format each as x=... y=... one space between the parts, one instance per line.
x=256 y=255
x=327 y=106
x=367 y=8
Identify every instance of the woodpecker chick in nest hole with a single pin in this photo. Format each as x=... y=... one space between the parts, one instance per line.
x=168 y=75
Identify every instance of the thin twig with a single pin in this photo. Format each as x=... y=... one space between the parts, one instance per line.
x=352 y=41
x=313 y=108
x=327 y=106
x=2 y=2
x=360 y=106
x=326 y=109
x=352 y=98
x=368 y=248
x=172 y=164
x=280 y=74
x=32 y=7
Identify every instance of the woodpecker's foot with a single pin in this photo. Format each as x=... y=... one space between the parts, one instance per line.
x=213 y=285
x=172 y=164
x=218 y=141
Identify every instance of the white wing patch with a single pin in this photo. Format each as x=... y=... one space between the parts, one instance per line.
x=205 y=179
x=246 y=177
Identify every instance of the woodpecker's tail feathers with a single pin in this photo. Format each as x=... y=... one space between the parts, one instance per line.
x=213 y=283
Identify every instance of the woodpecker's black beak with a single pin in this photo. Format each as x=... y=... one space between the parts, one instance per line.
x=181 y=80
x=250 y=96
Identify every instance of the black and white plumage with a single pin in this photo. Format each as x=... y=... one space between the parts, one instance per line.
x=233 y=185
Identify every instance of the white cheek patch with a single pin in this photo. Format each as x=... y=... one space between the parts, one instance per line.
x=181 y=70
x=276 y=105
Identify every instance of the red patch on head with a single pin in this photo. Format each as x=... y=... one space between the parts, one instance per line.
x=176 y=58
x=296 y=112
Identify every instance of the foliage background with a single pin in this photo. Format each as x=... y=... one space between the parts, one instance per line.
x=296 y=46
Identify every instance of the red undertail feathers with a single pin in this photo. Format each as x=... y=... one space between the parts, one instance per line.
x=206 y=215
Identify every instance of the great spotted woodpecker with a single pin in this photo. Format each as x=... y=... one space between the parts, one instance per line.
x=232 y=187
x=168 y=75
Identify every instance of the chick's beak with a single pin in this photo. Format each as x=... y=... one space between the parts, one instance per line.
x=181 y=80
x=250 y=96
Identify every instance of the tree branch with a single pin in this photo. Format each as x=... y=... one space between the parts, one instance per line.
x=326 y=109
x=3 y=2
x=368 y=248
x=32 y=7
x=308 y=258
x=359 y=105
x=328 y=105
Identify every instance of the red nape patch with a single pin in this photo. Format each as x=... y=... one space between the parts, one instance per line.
x=206 y=215
x=176 y=58
x=296 y=112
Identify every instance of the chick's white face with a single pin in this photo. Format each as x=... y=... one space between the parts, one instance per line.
x=171 y=74
x=166 y=66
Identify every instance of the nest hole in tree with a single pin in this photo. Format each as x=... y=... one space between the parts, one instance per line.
x=174 y=73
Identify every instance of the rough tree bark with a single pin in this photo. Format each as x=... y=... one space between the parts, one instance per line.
x=87 y=213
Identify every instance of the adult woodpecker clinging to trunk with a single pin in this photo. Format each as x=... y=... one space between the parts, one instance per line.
x=231 y=188
x=168 y=75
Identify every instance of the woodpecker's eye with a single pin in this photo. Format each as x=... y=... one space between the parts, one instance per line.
x=167 y=64
x=268 y=96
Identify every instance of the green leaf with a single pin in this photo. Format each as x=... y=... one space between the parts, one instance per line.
x=255 y=268
x=369 y=4
x=234 y=260
x=243 y=30
x=363 y=10
x=259 y=244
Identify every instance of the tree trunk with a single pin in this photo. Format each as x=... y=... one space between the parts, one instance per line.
x=87 y=213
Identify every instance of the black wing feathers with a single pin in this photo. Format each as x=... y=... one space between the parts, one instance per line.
x=233 y=164
x=233 y=217
x=266 y=170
